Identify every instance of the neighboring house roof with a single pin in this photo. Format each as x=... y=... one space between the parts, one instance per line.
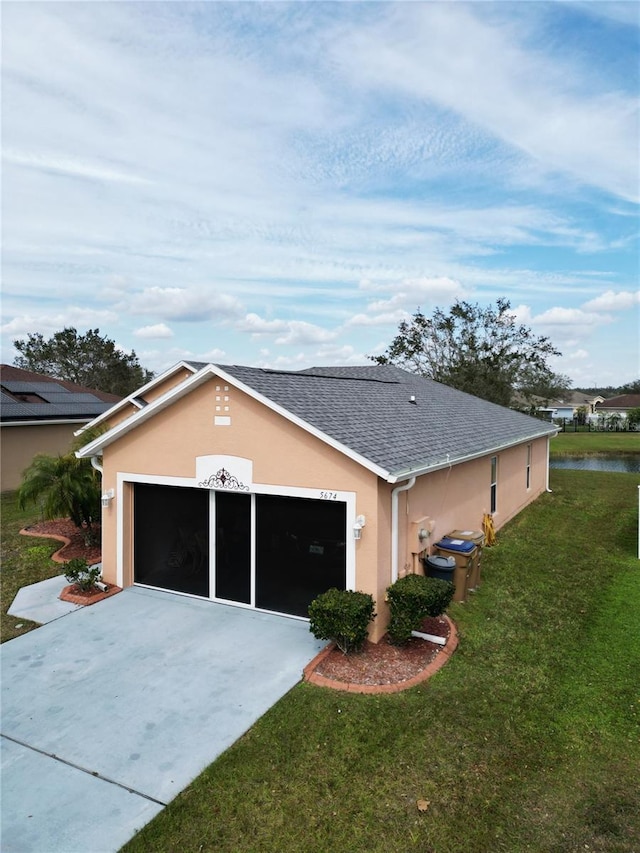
x=622 y=402
x=28 y=396
x=571 y=400
x=393 y=422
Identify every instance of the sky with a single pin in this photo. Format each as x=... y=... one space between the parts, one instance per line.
x=281 y=184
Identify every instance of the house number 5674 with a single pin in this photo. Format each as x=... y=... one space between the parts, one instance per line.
x=329 y=496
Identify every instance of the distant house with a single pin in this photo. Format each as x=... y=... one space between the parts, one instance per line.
x=567 y=407
x=263 y=488
x=39 y=414
x=619 y=405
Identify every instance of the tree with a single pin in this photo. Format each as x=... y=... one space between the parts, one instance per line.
x=633 y=417
x=89 y=360
x=483 y=351
x=66 y=487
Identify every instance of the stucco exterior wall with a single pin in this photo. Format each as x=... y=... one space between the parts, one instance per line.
x=460 y=496
x=283 y=454
x=170 y=382
x=20 y=443
x=217 y=419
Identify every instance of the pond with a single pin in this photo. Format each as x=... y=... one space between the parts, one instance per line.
x=629 y=464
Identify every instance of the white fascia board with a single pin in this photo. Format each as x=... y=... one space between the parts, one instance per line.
x=206 y=373
x=95 y=447
x=139 y=392
x=305 y=425
x=469 y=457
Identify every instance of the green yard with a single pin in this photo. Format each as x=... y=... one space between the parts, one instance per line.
x=528 y=740
x=587 y=443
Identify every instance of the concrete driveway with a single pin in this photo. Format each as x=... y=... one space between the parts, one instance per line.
x=111 y=710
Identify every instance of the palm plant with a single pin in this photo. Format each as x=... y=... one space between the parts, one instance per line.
x=65 y=487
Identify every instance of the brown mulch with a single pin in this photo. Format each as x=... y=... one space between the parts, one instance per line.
x=66 y=529
x=383 y=663
x=377 y=664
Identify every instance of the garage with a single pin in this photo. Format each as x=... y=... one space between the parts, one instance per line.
x=272 y=552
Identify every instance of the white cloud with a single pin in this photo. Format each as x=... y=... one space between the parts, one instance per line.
x=612 y=301
x=555 y=318
x=410 y=293
x=74 y=168
x=193 y=304
x=577 y=356
x=289 y=332
x=390 y=318
x=301 y=333
x=160 y=330
x=479 y=67
x=47 y=324
x=258 y=326
x=175 y=170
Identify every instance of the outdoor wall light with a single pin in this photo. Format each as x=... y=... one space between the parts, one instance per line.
x=357 y=527
x=107 y=497
x=423 y=534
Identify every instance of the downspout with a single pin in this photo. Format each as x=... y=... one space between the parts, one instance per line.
x=394 y=525
x=95 y=464
x=548 y=457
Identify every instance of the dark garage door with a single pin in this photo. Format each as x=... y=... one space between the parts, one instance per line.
x=299 y=546
x=300 y=551
x=171 y=538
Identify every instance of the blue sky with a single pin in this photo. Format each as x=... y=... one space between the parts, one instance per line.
x=280 y=184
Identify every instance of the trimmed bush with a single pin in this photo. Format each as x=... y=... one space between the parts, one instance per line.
x=342 y=616
x=411 y=599
x=77 y=572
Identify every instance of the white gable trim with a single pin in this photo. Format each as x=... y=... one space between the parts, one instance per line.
x=132 y=399
x=96 y=447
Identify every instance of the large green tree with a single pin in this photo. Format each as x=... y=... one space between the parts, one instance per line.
x=89 y=359
x=481 y=350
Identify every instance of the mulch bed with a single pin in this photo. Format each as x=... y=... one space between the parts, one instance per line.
x=66 y=531
x=75 y=595
x=382 y=663
x=378 y=666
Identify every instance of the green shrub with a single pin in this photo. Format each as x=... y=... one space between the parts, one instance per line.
x=411 y=599
x=79 y=573
x=343 y=616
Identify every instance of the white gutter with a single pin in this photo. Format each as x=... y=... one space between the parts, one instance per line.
x=468 y=457
x=394 y=525
x=95 y=464
x=50 y=422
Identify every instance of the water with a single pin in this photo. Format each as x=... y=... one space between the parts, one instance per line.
x=629 y=464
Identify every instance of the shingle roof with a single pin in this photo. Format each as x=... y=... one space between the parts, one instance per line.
x=369 y=410
x=30 y=396
x=623 y=401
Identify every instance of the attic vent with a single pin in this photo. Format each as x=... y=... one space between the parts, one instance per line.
x=412 y=399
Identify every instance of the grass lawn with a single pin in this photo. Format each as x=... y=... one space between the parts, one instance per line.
x=587 y=443
x=528 y=740
x=24 y=561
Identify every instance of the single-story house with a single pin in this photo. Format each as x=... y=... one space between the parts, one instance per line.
x=263 y=488
x=619 y=405
x=567 y=407
x=40 y=414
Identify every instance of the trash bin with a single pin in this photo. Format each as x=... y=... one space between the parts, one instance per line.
x=477 y=537
x=463 y=553
x=440 y=567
